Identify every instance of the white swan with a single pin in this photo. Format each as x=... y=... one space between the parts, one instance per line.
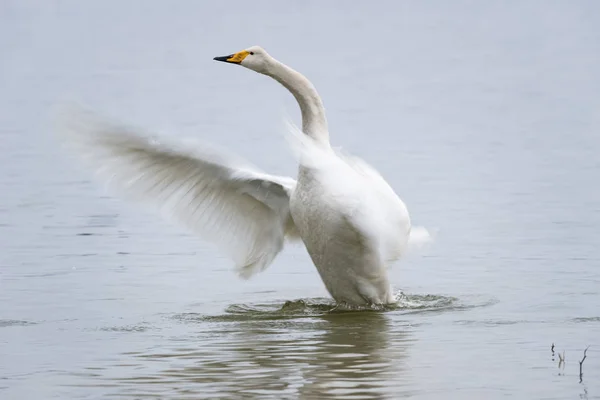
x=350 y=220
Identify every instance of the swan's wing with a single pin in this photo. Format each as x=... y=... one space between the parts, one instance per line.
x=223 y=199
x=394 y=225
x=389 y=219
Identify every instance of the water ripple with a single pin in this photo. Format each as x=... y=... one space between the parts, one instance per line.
x=13 y=322
x=305 y=348
x=586 y=319
x=307 y=308
x=328 y=355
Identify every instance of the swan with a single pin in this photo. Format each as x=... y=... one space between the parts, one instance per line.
x=350 y=220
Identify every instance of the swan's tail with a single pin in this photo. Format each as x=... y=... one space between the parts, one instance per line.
x=419 y=237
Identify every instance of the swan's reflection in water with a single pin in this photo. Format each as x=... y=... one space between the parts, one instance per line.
x=361 y=355
x=341 y=355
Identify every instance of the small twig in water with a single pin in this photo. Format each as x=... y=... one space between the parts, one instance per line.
x=581 y=364
x=561 y=359
x=552 y=349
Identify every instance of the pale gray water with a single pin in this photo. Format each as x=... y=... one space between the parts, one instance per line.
x=484 y=116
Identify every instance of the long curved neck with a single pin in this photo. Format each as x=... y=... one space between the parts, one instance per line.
x=314 y=122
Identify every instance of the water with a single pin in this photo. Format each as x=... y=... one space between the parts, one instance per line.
x=483 y=116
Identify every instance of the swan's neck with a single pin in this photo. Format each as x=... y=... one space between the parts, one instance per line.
x=314 y=123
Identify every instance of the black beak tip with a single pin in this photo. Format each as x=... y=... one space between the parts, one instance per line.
x=223 y=58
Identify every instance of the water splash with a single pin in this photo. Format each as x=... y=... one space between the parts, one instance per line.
x=424 y=301
x=406 y=303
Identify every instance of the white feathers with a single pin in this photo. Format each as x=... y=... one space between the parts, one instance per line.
x=351 y=221
x=223 y=199
x=419 y=237
x=230 y=202
x=360 y=193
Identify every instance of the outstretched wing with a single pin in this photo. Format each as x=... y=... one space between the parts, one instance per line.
x=220 y=198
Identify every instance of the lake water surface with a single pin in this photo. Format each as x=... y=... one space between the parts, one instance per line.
x=483 y=116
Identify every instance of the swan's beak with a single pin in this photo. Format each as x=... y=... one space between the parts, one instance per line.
x=236 y=58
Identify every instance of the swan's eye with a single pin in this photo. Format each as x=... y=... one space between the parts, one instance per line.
x=251 y=53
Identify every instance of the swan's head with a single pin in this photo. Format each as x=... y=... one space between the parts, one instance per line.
x=254 y=58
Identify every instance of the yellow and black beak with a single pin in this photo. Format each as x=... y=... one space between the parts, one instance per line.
x=236 y=58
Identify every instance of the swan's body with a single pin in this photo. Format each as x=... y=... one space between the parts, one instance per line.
x=350 y=220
